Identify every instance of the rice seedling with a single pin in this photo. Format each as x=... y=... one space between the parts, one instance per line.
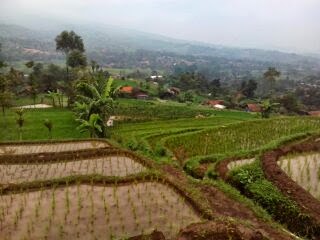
x=91 y=212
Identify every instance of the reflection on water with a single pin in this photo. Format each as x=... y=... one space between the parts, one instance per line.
x=304 y=170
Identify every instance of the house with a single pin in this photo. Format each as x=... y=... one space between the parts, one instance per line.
x=174 y=91
x=314 y=113
x=219 y=106
x=253 y=107
x=154 y=77
x=211 y=103
x=141 y=95
x=126 y=90
x=170 y=93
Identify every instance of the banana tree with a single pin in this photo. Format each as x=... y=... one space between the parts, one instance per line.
x=96 y=98
x=93 y=125
x=267 y=107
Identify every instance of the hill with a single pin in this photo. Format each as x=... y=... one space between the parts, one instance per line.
x=125 y=48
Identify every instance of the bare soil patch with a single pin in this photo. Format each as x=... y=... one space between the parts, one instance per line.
x=219 y=230
x=95 y=212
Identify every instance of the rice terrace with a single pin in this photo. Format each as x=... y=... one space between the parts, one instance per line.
x=159 y=120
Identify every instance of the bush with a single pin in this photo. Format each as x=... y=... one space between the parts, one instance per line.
x=251 y=181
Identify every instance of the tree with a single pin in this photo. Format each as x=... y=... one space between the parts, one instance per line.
x=267 y=107
x=290 y=102
x=5 y=93
x=271 y=76
x=20 y=121
x=67 y=42
x=49 y=125
x=76 y=59
x=93 y=125
x=52 y=96
x=96 y=98
x=214 y=87
x=29 y=64
x=32 y=87
x=15 y=80
x=2 y=63
x=248 y=88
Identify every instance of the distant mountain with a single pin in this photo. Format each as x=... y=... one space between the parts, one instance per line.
x=118 y=46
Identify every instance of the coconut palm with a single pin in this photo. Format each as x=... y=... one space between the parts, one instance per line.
x=93 y=125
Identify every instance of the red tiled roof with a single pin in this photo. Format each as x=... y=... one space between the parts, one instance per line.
x=314 y=113
x=127 y=89
x=215 y=102
x=254 y=107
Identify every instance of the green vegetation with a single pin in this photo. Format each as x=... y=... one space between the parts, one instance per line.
x=250 y=179
x=34 y=129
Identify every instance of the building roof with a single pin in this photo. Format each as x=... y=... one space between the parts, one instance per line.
x=215 y=102
x=219 y=106
x=126 y=89
x=253 y=107
x=314 y=113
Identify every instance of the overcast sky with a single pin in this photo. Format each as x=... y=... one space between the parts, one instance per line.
x=291 y=25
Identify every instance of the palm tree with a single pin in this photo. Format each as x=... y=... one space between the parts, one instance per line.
x=96 y=98
x=93 y=125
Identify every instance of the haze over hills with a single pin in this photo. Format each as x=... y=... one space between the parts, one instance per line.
x=121 y=47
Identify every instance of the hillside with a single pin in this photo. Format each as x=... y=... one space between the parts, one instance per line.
x=125 y=48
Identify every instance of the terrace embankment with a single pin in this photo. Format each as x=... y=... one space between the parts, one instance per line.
x=95 y=206
x=307 y=203
x=223 y=206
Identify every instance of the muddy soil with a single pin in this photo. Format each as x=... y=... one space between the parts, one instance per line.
x=304 y=169
x=95 y=212
x=106 y=166
x=31 y=148
x=219 y=230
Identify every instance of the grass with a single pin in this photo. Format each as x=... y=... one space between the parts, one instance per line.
x=64 y=125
